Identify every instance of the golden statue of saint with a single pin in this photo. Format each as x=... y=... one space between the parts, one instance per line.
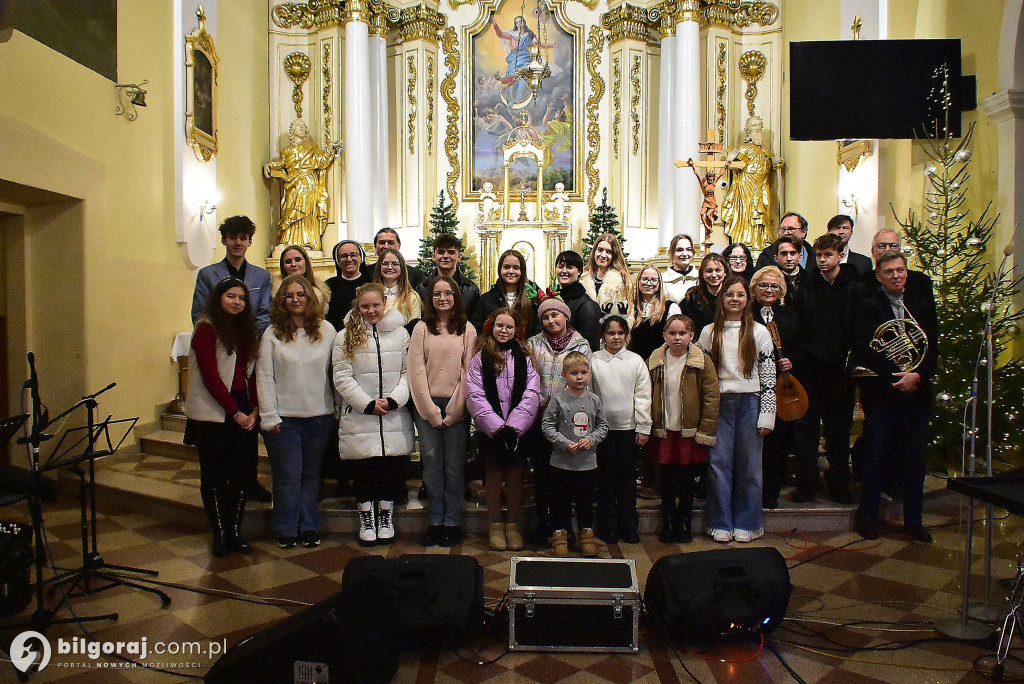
x=303 y=168
x=747 y=207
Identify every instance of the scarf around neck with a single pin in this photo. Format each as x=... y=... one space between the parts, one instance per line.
x=558 y=344
x=490 y=377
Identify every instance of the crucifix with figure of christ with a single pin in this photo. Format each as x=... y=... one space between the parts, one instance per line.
x=713 y=171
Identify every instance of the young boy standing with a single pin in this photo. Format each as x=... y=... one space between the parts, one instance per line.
x=574 y=423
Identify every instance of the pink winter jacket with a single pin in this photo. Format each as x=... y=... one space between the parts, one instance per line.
x=522 y=416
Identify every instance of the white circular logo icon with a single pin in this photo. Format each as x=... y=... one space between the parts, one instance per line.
x=24 y=654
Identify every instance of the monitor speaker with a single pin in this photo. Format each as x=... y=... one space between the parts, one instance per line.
x=720 y=594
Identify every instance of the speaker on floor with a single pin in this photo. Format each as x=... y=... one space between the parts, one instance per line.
x=439 y=599
x=719 y=594
x=345 y=638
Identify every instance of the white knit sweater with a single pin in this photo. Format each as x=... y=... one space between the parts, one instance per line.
x=293 y=378
x=730 y=375
x=624 y=385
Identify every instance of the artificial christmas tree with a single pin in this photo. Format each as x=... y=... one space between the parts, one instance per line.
x=603 y=220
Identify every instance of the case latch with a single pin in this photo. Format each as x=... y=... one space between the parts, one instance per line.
x=530 y=603
x=617 y=604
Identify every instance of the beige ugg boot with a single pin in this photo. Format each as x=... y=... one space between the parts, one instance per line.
x=496 y=537
x=588 y=547
x=514 y=537
x=560 y=543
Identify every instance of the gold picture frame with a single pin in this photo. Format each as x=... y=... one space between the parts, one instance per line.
x=201 y=72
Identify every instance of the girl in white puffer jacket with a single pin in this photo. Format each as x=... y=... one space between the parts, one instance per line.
x=369 y=360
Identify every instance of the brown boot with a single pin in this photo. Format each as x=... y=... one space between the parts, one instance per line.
x=514 y=537
x=496 y=537
x=588 y=547
x=560 y=543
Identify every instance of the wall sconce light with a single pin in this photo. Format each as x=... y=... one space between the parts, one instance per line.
x=850 y=202
x=136 y=97
x=850 y=152
x=206 y=208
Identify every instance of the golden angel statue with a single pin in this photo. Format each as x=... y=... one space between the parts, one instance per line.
x=747 y=207
x=303 y=168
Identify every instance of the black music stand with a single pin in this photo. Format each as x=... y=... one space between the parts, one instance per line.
x=66 y=455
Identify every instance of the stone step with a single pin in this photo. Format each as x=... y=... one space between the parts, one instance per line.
x=170 y=443
x=172 y=421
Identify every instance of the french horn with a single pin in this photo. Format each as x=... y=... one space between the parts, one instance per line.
x=902 y=341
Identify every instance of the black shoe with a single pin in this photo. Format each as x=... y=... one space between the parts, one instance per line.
x=608 y=537
x=432 y=537
x=451 y=535
x=258 y=492
x=311 y=539
x=868 y=530
x=630 y=537
x=667 y=534
x=801 y=495
x=770 y=504
x=841 y=496
x=286 y=542
x=681 y=532
x=919 y=533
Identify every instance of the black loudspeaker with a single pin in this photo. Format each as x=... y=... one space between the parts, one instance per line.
x=719 y=594
x=440 y=599
x=346 y=638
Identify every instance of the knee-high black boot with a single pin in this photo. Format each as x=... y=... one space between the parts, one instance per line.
x=213 y=504
x=236 y=509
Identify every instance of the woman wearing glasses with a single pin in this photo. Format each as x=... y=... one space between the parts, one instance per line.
x=652 y=309
x=440 y=350
x=348 y=260
x=769 y=288
x=740 y=261
x=391 y=272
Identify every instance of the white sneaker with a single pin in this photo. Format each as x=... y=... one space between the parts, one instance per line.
x=367 y=525
x=742 y=536
x=722 y=536
x=385 y=524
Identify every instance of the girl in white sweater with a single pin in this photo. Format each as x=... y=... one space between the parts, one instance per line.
x=296 y=406
x=744 y=358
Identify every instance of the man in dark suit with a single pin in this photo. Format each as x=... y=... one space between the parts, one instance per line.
x=896 y=398
x=791 y=225
x=447 y=254
x=842 y=225
x=236 y=236
x=388 y=238
x=919 y=285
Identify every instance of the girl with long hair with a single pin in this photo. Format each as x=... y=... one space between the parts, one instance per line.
x=651 y=308
x=221 y=408
x=296 y=407
x=369 y=361
x=744 y=358
x=391 y=272
x=503 y=396
x=740 y=260
x=440 y=350
x=700 y=301
x=512 y=290
x=606 y=276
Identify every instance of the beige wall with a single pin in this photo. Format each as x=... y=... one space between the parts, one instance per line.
x=106 y=287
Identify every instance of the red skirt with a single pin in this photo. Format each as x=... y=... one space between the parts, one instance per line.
x=674 y=449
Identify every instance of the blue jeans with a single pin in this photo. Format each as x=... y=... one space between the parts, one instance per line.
x=734 y=467
x=296 y=454
x=443 y=454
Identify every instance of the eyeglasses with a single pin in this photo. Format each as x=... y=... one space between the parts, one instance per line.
x=648 y=281
x=446 y=294
x=888 y=245
x=737 y=259
x=389 y=264
x=295 y=296
x=769 y=287
x=353 y=255
x=790 y=229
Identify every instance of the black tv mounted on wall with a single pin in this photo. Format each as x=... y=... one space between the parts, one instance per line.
x=862 y=89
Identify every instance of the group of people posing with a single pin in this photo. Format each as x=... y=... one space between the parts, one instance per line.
x=574 y=382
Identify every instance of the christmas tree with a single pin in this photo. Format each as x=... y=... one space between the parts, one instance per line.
x=602 y=221
x=953 y=249
x=442 y=220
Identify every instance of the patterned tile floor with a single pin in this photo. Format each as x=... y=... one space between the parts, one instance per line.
x=854 y=602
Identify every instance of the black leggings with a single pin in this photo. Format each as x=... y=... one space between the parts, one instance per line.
x=376 y=478
x=679 y=481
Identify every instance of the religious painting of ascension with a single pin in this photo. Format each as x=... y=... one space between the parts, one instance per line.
x=502 y=101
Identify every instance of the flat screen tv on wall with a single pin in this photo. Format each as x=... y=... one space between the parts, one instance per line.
x=862 y=89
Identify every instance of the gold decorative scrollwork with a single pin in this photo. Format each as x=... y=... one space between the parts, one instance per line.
x=411 y=86
x=595 y=44
x=720 y=65
x=325 y=69
x=752 y=66
x=202 y=69
x=627 y=21
x=456 y=4
x=634 y=101
x=430 y=103
x=738 y=13
x=616 y=103
x=420 y=21
x=321 y=14
x=296 y=66
x=353 y=10
x=379 y=15
x=663 y=18
x=450 y=46
x=294 y=15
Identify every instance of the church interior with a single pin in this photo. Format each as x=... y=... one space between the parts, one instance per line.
x=174 y=116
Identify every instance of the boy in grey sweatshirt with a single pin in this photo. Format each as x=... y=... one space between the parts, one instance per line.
x=574 y=423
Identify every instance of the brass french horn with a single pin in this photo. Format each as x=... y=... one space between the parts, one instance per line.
x=902 y=341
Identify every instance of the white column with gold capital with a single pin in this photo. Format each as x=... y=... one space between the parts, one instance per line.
x=379 y=119
x=666 y=162
x=686 y=122
x=359 y=190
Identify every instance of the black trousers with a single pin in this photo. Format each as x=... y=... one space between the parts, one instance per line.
x=377 y=478
x=830 y=410
x=538 y=450
x=678 y=484
x=572 y=487
x=895 y=433
x=775 y=449
x=616 y=482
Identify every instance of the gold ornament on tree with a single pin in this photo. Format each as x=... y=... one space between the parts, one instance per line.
x=296 y=66
x=752 y=67
x=303 y=170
